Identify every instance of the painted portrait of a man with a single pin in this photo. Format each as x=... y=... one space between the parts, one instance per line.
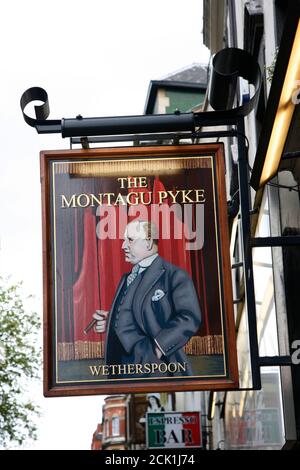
x=155 y=310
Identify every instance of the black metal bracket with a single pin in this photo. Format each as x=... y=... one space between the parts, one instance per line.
x=259 y=242
x=271 y=361
x=158 y=137
x=237 y=265
x=84 y=142
x=291 y=155
x=227 y=65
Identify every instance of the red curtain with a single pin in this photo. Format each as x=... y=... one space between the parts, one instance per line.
x=86 y=295
x=103 y=265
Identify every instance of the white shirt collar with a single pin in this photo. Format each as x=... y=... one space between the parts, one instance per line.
x=146 y=262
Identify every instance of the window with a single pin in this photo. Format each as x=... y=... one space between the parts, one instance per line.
x=116 y=426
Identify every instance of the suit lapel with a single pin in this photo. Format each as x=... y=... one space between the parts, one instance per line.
x=150 y=278
x=120 y=286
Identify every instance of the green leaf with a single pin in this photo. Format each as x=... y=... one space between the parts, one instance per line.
x=20 y=361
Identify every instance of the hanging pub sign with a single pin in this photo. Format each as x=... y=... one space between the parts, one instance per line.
x=137 y=277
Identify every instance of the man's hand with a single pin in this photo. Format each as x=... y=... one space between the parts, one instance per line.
x=101 y=317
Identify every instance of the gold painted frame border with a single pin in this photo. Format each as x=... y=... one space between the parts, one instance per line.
x=101 y=386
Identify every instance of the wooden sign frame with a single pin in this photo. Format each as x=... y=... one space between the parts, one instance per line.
x=76 y=184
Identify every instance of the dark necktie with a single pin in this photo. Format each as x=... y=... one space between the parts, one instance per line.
x=134 y=273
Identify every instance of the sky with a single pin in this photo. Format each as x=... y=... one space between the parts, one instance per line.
x=94 y=58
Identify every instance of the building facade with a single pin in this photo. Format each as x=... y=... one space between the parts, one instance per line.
x=114 y=432
x=266 y=418
x=97 y=438
x=123 y=424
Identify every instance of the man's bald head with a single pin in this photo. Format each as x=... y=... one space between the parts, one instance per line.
x=143 y=229
x=140 y=240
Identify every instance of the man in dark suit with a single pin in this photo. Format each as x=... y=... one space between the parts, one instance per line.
x=154 y=313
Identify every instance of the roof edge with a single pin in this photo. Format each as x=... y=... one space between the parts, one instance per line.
x=155 y=84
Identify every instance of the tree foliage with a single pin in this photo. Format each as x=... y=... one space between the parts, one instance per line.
x=19 y=364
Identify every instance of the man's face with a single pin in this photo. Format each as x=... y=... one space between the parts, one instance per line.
x=135 y=245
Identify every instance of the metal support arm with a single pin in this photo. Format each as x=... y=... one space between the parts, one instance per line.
x=123 y=125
